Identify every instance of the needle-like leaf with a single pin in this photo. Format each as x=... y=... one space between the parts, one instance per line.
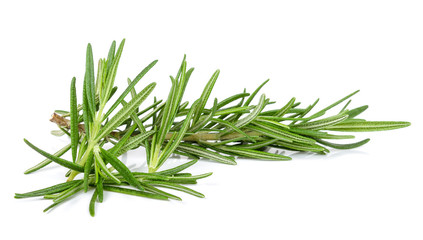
x=250 y=99
x=196 y=150
x=323 y=123
x=74 y=120
x=250 y=153
x=49 y=190
x=55 y=159
x=356 y=111
x=344 y=146
x=176 y=187
x=177 y=169
x=125 y=112
x=319 y=113
x=134 y=192
x=368 y=126
x=205 y=95
x=132 y=142
x=48 y=161
x=129 y=88
x=87 y=170
x=91 y=208
x=175 y=143
x=89 y=81
x=121 y=168
x=250 y=117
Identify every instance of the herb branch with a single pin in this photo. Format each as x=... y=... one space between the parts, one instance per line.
x=231 y=128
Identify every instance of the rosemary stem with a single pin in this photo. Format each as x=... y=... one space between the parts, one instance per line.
x=82 y=161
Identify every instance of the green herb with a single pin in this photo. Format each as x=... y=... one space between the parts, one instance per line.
x=231 y=129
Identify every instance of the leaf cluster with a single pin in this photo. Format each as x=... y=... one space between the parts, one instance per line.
x=244 y=125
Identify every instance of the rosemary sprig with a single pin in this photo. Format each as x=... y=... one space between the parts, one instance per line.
x=231 y=128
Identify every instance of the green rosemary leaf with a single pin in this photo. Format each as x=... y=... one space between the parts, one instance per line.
x=74 y=120
x=283 y=132
x=232 y=127
x=167 y=114
x=142 y=129
x=125 y=111
x=182 y=83
x=68 y=192
x=233 y=110
x=271 y=134
x=319 y=134
x=64 y=131
x=66 y=195
x=152 y=189
x=174 y=144
x=205 y=95
x=149 y=176
x=271 y=122
x=48 y=161
x=49 y=190
x=100 y=189
x=182 y=68
x=231 y=99
x=154 y=105
x=255 y=93
x=89 y=81
x=86 y=110
x=249 y=118
x=50 y=207
x=121 y=168
x=99 y=161
x=286 y=108
x=345 y=106
x=250 y=153
x=279 y=119
x=87 y=170
x=111 y=55
x=63 y=198
x=333 y=105
x=195 y=177
x=134 y=192
x=183 y=77
x=175 y=187
x=132 y=143
x=196 y=150
x=205 y=120
x=306 y=111
x=258 y=145
x=133 y=92
x=123 y=140
x=101 y=73
x=61 y=112
x=153 y=114
x=182 y=175
x=356 y=111
x=182 y=181
x=323 y=123
x=343 y=146
x=92 y=203
x=57 y=133
x=129 y=88
x=55 y=159
x=368 y=126
x=188 y=155
x=300 y=147
x=82 y=147
x=111 y=74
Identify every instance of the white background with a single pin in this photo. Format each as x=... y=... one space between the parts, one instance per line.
x=308 y=49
